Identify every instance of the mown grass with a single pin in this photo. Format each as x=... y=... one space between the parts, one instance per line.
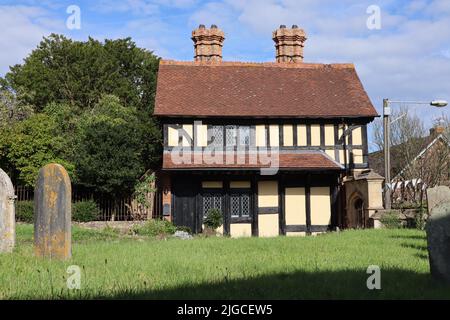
x=329 y=266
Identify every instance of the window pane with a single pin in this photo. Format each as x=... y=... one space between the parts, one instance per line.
x=244 y=136
x=231 y=135
x=211 y=201
x=215 y=134
x=245 y=205
x=235 y=205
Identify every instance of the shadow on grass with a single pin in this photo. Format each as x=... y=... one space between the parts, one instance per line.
x=409 y=237
x=346 y=284
x=421 y=248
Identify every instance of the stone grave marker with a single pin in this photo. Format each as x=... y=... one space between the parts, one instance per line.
x=436 y=196
x=7 y=214
x=53 y=213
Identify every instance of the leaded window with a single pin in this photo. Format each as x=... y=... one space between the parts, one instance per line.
x=240 y=204
x=215 y=134
x=244 y=136
x=212 y=200
x=231 y=135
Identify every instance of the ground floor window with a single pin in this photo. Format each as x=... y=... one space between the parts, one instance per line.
x=212 y=200
x=240 y=204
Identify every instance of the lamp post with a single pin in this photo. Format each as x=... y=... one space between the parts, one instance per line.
x=387 y=141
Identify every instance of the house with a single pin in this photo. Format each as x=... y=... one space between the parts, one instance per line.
x=272 y=145
x=417 y=164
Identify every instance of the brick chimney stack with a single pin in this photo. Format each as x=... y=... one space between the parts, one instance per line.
x=208 y=43
x=289 y=44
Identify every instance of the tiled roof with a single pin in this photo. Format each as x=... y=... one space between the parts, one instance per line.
x=305 y=160
x=233 y=89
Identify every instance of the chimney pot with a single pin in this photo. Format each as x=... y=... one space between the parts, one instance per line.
x=289 y=44
x=208 y=43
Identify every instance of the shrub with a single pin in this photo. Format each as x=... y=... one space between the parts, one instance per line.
x=391 y=220
x=155 y=227
x=214 y=218
x=24 y=211
x=185 y=229
x=421 y=219
x=85 y=211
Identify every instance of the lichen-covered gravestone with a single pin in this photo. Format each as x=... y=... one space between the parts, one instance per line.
x=438 y=238
x=52 y=213
x=437 y=196
x=7 y=215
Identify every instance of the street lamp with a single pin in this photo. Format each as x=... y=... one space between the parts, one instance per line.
x=387 y=141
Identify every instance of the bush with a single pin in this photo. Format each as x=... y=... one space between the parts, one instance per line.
x=214 y=218
x=185 y=229
x=421 y=219
x=155 y=227
x=85 y=211
x=24 y=211
x=391 y=220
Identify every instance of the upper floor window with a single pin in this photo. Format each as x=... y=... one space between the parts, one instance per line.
x=231 y=135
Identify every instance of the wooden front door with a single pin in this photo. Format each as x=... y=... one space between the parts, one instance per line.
x=184 y=206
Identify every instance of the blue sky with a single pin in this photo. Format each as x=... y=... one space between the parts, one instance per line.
x=408 y=58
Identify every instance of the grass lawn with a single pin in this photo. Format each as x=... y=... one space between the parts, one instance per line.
x=323 y=267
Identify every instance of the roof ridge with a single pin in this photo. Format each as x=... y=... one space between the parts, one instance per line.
x=303 y=65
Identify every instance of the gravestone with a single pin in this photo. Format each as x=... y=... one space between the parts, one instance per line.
x=438 y=238
x=436 y=196
x=52 y=213
x=7 y=214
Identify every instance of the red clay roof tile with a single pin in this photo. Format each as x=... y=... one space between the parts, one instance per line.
x=307 y=160
x=239 y=89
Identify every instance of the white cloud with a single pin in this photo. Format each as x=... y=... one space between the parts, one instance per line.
x=407 y=59
x=139 y=7
x=22 y=28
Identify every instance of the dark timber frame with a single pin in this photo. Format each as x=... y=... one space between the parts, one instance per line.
x=340 y=144
x=284 y=180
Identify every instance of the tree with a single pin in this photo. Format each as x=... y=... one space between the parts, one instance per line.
x=11 y=110
x=109 y=153
x=407 y=131
x=27 y=145
x=78 y=73
x=95 y=100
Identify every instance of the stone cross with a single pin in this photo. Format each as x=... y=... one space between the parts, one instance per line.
x=7 y=214
x=52 y=213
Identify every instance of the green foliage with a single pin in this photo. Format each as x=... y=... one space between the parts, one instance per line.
x=85 y=211
x=143 y=188
x=213 y=219
x=421 y=219
x=391 y=220
x=24 y=211
x=93 y=104
x=155 y=227
x=11 y=110
x=332 y=265
x=185 y=229
x=109 y=153
x=30 y=144
x=79 y=73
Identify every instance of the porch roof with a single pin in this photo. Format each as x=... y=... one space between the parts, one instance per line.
x=309 y=160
